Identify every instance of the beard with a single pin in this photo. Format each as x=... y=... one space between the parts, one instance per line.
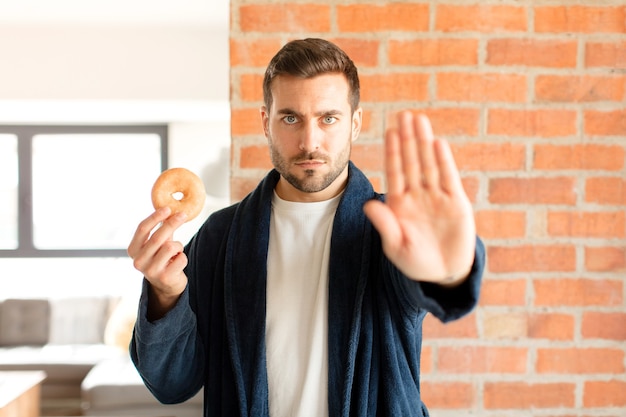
x=312 y=181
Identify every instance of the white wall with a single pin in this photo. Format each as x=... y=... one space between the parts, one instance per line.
x=105 y=72
x=113 y=62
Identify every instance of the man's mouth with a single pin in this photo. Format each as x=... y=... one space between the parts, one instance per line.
x=310 y=163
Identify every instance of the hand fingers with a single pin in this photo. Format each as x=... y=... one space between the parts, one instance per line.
x=448 y=172
x=384 y=220
x=145 y=229
x=429 y=169
x=152 y=253
x=168 y=257
x=411 y=164
x=393 y=163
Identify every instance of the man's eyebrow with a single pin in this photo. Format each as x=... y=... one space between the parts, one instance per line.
x=287 y=110
x=330 y=112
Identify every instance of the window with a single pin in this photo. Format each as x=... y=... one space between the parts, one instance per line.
x=8 y=191
x=76 y=191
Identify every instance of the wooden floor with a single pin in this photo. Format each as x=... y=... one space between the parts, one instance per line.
x=52 y=408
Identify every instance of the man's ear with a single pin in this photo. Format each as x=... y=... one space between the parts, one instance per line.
x=357 y=122
x=265 y=120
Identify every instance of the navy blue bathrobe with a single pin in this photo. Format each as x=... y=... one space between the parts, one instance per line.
x=215 y=336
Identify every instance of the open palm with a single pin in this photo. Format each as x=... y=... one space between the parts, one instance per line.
x=426 y=224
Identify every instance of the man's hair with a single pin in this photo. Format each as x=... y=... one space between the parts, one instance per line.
x=307 y=58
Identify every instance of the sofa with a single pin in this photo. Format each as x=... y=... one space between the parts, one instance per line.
x=81 y=343
x=114 y=388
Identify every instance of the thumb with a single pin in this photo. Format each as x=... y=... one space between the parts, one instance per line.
x=384 y=220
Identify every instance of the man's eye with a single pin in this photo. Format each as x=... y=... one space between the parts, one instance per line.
x=329 y=120
x=290 y=119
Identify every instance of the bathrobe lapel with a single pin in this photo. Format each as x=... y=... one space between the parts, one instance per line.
x=245 y=278
x=348 y=275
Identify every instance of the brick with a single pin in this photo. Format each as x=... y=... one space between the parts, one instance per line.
x=531 y=258
x=534 y=123
x=580 y=361
x=604 y=394
x=245 y=121
x=288 y=17
x=481 y=18
x=252 y=52
x=471 y=185
x=579 y=89
x=394 y=87
x=251 y=87
x=462 y=328
x=579 y=157
x=551 y=326
x=577 y=292
x=532 y=52
x=481 y=88
x=254 y=157
x=605 y=123
x=598 y=325
x=502 y=156
x=503 y=292
x=583 y=19
x=521 y=395
x=500 y=224
x=433 y=52
x=391 y=16
x=505 y=325
x=606 y=190
x=605 y=259
x=368 y=156
x=363 y=52
x=605 y=54
x=587 y=224
x=541 y=190
x=448 y=395
x=482 y=359
x=453 y=121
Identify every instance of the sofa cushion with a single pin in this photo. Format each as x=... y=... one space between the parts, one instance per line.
x=78 y=320
x=115 y=383
x=24 y=322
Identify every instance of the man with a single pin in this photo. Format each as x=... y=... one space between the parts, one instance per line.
x=307 y=297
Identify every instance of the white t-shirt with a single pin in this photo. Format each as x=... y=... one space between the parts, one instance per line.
x=297 y=307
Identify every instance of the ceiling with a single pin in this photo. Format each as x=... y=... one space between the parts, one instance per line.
x=187 y=12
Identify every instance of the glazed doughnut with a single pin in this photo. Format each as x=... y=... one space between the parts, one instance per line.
x=179 y=181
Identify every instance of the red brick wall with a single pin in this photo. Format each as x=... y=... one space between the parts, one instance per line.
x=532 y=97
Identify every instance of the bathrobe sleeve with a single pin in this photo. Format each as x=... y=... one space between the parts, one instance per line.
x=445 y=303
x=167 y=352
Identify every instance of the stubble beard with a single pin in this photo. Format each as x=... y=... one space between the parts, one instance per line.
x=311 y=182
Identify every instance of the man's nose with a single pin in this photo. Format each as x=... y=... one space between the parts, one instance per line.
x=310 y=138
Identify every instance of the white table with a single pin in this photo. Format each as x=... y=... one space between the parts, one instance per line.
x=20 y=393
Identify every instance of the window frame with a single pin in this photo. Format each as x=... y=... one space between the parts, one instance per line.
x=25 y=135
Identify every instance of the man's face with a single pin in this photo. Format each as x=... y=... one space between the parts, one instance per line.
x=310 y=128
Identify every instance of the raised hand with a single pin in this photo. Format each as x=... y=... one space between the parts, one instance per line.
x=426 y=224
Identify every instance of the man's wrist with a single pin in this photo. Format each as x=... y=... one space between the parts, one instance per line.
x=457 y=279
x=159 y=304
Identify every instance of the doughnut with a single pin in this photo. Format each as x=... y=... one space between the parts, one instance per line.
x=176 y=182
